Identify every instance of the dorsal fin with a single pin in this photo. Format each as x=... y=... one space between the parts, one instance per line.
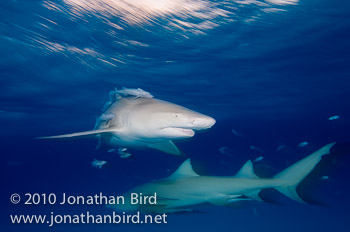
x=247 y=170
x=185 y=170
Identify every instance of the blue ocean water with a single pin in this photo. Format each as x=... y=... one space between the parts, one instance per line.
x=270 y=72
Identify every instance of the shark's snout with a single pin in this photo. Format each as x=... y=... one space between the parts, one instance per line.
x=203 y=122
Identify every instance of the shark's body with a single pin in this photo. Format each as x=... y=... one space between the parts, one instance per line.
x=98 y=163
x=184 y=188
x=141 y=120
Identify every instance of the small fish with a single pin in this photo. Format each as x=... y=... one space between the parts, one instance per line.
x=122 y=149
x=106 y=106
x=111 y=150
x=302 y=144
x=113 y=96
x=123 y=154
x=324 y=177
x=103 y=119
x=281 y=147
x=134 y=92
x=259 y=158
x=98 y=163
x=256 y=149
x=225 y=151
x=334 y=117
x=106 y=117
x=237 y=133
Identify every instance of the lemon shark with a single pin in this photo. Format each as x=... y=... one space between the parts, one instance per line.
x=134 y=118
x=185 y=188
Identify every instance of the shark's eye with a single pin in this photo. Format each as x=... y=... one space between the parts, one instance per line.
x=175 y=115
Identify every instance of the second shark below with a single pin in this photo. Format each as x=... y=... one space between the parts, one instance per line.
x=185 y=188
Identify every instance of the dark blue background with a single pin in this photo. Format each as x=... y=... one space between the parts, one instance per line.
x=276 y=79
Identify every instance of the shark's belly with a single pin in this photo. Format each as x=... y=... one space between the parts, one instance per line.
x=201 y=189
x=131 y=141
x=119 y=141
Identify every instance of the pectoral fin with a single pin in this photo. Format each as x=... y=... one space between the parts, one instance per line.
x=80 y=134
x=223 y=200
x=163 y=201
x=167 y=147
x=178 y=210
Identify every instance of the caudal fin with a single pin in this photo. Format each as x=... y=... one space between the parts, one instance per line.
x=295 y=173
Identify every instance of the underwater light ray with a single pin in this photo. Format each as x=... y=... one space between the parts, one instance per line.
x=143 y=12
x=138 y=12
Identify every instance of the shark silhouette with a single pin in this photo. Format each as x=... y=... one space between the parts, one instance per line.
x=185 y=188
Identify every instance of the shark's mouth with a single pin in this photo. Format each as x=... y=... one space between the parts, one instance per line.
x=185 y=131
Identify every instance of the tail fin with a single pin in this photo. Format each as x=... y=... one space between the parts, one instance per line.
x=295 y=173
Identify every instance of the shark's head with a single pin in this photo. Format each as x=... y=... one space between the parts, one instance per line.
x=166 y=120
x=181 y=124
